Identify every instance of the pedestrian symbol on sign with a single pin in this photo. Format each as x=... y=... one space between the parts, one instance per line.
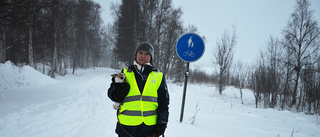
x=190 y=43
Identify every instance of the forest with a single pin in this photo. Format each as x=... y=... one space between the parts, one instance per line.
x=57 y=35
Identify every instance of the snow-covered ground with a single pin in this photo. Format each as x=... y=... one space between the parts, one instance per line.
x=35 y=105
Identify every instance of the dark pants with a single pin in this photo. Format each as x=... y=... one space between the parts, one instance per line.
x=136 y=131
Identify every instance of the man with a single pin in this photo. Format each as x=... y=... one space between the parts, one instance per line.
x=144 y=106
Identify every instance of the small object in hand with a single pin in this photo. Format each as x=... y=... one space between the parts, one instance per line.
x=118 y=78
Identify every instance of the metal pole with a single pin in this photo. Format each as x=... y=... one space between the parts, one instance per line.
x=184 y=92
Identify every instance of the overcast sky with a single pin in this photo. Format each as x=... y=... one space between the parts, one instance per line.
x=256 y=21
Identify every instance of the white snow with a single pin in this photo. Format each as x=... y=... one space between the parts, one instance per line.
x=35 y=105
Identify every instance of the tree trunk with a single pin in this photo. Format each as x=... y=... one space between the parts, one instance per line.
x=74 y=66
x=55 y=51
x=241 y=96
x=2 y=46
x=30 y=18
x=294 y=95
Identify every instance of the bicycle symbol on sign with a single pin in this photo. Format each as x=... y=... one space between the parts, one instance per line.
x=189 y=53
x=190 y=45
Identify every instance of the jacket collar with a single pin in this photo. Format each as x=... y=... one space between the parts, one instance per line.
x=146 y=68
x=141 y=68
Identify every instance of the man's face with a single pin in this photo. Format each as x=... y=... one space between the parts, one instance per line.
x=143 y=57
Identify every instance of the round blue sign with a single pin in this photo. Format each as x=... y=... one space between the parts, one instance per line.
x=190 y=47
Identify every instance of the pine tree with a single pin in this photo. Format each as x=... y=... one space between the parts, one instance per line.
x=128 y=32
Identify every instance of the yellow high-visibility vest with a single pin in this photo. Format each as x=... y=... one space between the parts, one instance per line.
x=140 y=108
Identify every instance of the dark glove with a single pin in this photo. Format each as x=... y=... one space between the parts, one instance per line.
x=159 y=130
x=120 y=91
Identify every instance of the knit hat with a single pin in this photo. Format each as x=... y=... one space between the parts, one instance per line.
x=145 y=46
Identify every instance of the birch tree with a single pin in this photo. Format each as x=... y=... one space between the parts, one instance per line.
x=301 y=38
x=224 y=56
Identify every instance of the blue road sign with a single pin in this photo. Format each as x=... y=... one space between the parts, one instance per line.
x=190 y=47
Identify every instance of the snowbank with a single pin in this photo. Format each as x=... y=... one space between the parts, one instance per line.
x=13 y=76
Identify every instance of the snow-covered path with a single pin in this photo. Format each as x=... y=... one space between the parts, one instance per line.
x=77 y=106
x=74 y=106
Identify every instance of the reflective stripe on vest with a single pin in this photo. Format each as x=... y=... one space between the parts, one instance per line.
x=136 y=108
x=143 y=98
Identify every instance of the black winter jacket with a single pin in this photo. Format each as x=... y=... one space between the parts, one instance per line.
x=163 y=104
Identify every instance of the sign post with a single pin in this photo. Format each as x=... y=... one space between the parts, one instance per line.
x=190 y=48
x=184 y=91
